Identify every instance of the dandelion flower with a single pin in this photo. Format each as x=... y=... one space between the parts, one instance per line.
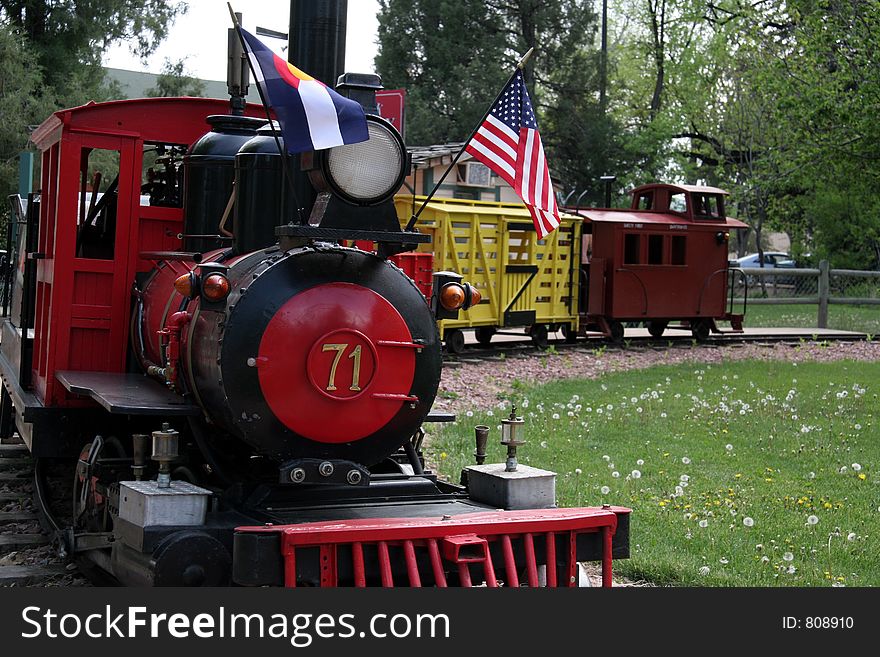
x=640 y=462
x=765 y=559
x=578 y=471
x=723 y=561
x=856 y=467
x=685 y=460
x=704 y=571
x=748 y=522
x=470 y=413
x=788 y=556
x=842 y=469
x=791 y=570
x=615 y=474
x=704 y=523
x=636 y=474
x=728 y=447
x=812 y=520
x=606 y=457
x=684 y=477
x=605 y=490
x=851 y=536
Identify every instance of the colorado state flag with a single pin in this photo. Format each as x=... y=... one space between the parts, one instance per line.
x=312 y=116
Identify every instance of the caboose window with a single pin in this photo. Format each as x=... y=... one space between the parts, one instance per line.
x=631 y=249
x=679 y=244
x=646 y=201
x=677 y=202
x=655 y=249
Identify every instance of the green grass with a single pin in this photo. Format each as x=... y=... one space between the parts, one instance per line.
x=773 y=442
x=842 y=318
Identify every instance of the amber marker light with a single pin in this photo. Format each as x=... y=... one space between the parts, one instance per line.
x=475 y=297
x=186 y=284
x=452 y=296
x=215 y=287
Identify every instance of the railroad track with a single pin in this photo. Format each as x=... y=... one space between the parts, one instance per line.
x=521 y=344
x=27 y=556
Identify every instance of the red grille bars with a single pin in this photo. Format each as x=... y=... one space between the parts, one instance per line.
x=359 y=552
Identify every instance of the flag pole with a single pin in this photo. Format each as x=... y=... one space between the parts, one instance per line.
x=281 y=151
x=520 y=65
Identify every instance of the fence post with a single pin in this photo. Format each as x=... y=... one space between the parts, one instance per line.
x=824 y=286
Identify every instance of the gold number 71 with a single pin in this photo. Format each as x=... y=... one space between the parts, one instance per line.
x=355 y=355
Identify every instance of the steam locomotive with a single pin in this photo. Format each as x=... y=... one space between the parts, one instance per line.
x=246 y=406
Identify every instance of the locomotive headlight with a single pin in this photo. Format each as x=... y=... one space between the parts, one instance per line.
x=368 y=172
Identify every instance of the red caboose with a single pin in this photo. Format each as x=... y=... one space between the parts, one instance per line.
x=664 y=259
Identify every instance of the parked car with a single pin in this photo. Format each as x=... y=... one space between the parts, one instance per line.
x=772 y=260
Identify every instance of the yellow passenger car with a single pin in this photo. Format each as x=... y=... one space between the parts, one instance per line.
x=524 y=281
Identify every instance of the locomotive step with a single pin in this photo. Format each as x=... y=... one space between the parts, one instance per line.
x=25 y=575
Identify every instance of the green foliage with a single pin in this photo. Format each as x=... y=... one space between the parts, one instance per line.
x=69 y=37
x=175 y=81
x=24 y=103
x=847 y=226
x=453 y=56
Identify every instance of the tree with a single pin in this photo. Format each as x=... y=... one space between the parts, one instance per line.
x=175 y=81
x=453 y=56
x=449 y=55
x=24 y=103
x=69 y=37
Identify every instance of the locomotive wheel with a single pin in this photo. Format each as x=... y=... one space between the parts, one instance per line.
x=700 y=329
x=656 y=327
x=484 y=334
x=616 y=329
x=455 y=341
x=538 y=333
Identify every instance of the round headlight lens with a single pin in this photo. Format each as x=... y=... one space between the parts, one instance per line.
x=370 y=170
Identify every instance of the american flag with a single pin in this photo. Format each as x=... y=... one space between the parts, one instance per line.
x=508 y=143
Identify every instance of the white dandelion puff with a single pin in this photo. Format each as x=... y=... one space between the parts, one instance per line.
x=704 y=523
x=812 y=520
x=748 y=522
x=788 y=556
x=636 y=474
x=685 y=460
x=856 y=467
x=605 y=490
x=704 y=571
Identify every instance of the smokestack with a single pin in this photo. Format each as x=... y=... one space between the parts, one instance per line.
x=316 y=46
x=317 y=38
